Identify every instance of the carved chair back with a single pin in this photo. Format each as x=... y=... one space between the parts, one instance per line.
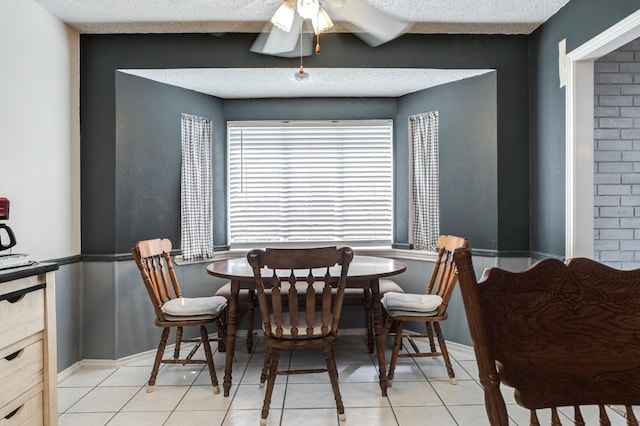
x=444 y=276
x=154 y=262
x=560 y=334
x=291 y=280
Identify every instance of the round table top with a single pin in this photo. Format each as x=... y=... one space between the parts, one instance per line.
x=361 y=267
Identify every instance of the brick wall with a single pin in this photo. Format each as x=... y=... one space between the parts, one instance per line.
x=617 y=158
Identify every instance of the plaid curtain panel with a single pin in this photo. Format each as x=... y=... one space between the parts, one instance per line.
x=425 y=181
x=196 y=188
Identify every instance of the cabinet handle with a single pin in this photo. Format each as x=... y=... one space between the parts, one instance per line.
x=15 y=296
x=13 y=413
x=14 y=355
x=15 y=299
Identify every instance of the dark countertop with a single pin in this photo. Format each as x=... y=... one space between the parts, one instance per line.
x=26 y=271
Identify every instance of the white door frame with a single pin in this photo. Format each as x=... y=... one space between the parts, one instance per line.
x=579 y=132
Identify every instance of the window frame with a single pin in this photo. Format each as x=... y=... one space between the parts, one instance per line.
x=389 y=123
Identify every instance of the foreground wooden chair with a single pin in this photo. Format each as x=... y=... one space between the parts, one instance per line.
x=174 y=311
x=562 y=335
x=429 y=308
x=294 y=276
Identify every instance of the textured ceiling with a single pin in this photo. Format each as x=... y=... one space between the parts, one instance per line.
x=246 y=83
x=187 y=16
x=428 y=16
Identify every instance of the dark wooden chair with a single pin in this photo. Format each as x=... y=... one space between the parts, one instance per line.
x=429 y=308
x=294 y=276
x=561 y=335
x=175 y=311
x=247 y=304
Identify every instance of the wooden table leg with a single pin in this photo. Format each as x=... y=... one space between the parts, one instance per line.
x=232 y=318
x=379 y=331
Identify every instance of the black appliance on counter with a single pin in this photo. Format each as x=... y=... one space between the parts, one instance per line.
x=8 y=240
x=7 y=237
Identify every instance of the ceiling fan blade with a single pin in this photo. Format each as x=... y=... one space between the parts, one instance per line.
x=378 y=27
x=276 y=42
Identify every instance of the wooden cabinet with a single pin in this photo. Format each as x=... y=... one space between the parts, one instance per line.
x=28 y=373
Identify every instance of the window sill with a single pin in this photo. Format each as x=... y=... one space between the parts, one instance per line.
x=419 y=255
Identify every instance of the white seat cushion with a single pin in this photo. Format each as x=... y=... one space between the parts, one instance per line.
x=188 y=308
x=403 y=304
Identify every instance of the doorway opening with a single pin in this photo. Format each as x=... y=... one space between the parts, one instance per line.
x=580 y=132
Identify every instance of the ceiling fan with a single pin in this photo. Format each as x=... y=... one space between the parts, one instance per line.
x=284 y=35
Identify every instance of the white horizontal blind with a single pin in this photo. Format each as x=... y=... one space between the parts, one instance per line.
x=310 y=182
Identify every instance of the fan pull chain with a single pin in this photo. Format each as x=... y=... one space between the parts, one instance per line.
x=301 y=67
x=318 y=33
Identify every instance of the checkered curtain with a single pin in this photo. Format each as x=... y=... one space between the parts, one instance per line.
x=196 y=188
x=424 y=172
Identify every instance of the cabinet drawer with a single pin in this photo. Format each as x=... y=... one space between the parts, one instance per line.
x=21 y=314
x=24 y=411
x=20 y=370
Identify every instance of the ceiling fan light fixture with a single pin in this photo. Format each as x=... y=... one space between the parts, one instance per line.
x=308 y=9
x=321 y=22
x=301 y=75
x=284 y=16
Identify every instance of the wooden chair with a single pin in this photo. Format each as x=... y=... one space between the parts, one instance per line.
x=429 y=308
x=174 y=311
x=295 y=275
x=247 y=304
x=561 y=335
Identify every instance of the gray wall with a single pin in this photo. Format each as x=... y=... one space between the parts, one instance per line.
x=106 y=216
x=69 y=313
x=148 y=159
x=468 y=148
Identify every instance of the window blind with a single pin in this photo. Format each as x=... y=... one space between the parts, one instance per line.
x=310 y=182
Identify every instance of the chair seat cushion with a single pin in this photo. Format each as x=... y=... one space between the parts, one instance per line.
x=403 y=304
x=188 y=308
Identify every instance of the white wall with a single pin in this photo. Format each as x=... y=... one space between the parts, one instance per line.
x=39 y=129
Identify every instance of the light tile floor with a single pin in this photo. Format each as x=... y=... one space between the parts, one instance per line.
x=421 y=393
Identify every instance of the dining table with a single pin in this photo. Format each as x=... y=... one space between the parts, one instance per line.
x=364 y=272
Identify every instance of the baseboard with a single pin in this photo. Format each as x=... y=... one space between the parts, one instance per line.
x=116 y=363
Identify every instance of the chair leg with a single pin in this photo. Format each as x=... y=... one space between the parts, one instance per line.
x=222 y=342
x=397 y=344
x=158 y=360
x=222 y=329
x=274 y=358
x=176 y=350
x=265 y=367
x=445 y=353
x=207 y=353
x=333 y=376
x=430 y=334
x=368 y=316
x=250 y=315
